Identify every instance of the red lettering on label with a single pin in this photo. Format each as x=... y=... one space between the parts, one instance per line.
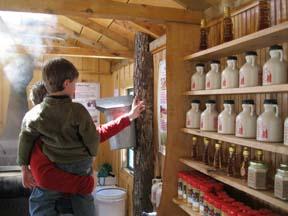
x=215 y=122
x=264 y=133
x=240 y=131
x=242 y=81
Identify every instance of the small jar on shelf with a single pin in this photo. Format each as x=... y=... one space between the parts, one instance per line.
x=227 y=25
x=250 y=72
x=246 y=120
x=231 y=164
x=194 y=153
x=269 y=123
x=281 y=182
x=198 y=78
x=230 y=75
x=217 y=162
x=213 y=77
x=275 y=69
x=257 y=175
x=209 y=117
x=226 y=119
x=244 y=163
x=203 y=35
x=206 y=152
x=193 y=115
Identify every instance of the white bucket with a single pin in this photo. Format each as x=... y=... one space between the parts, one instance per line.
x=110 y=201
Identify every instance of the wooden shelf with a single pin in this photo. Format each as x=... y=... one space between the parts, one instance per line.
x=271 y=147
x=274 y=35
x=184 y=206
x=248 y=90
x=239 y=184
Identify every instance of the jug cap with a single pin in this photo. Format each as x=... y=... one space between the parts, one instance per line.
x=196 y=101
x=276 y=47
x=248 y=101
x=232 y=58
x=210 y=102
x=199 y=65
x=270 y=101
x=249 y=53
x=228 y=101
x=215 y=61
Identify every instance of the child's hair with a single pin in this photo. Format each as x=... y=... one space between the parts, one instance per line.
x=38 y=92
x=56 y=71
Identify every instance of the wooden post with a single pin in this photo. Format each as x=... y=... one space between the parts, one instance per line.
x=144 y=157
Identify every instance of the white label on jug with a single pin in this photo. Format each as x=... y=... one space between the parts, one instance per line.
x=224 y=82
x=267 y=76
x=193 y=85
x=263 y=132
x=242 y=81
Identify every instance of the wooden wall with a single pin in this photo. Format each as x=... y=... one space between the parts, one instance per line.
x=123 y=79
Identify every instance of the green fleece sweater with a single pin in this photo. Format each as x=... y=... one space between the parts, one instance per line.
x=65 y=127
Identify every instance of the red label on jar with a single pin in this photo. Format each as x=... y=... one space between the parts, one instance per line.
x=242 y=81
x=264 y=133
x=267 y=76
x=220 y=126
x=240 y=130
x=224 y=82
x=193 y=85
x=215 y=122
x=208 y=84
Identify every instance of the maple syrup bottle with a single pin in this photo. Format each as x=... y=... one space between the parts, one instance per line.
x=244 y=164
x=203 y=35
x=205 y=157
x=264 y=17
x=227 y=25
x=231 y=164
x=217 y=162
x=194 y=147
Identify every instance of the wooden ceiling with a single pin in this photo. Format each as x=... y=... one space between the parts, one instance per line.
x=101 y=28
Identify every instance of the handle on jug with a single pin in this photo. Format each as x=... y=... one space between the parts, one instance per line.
x=281 y=55
x=252 y=109
x=276 y=110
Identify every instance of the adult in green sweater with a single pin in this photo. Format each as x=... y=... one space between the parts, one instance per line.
x=68 y=133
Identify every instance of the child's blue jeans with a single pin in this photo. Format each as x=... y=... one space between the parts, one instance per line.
x=42 y=202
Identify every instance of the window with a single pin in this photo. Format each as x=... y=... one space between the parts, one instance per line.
x=130 y=151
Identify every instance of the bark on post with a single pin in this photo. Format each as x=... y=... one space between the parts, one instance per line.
x=144 y=157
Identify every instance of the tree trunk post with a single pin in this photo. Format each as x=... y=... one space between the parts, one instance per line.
x=143 y=152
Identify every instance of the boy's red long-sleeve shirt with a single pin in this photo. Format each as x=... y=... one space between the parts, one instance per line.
x=48 y=176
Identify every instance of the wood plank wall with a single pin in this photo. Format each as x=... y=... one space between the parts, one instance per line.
x=123 y=79
x=246 y=22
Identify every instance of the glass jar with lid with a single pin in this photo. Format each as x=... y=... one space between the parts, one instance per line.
x=257 y=175
x=281 y=182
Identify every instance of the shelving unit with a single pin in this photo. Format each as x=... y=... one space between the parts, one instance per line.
x=248 y=90
x=264 y=38
x=185 y=208
x=239 y=184
x=271 y=147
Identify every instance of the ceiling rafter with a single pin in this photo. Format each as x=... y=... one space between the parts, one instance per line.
x=151 y=29
x=123 y=41
x=103 y=9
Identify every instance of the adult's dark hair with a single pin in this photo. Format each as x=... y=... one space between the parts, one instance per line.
x=56 y=71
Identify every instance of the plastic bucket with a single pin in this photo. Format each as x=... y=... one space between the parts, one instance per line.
x=110 y=201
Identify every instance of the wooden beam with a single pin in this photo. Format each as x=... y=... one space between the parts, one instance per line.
x=75 y=52
x=103 y=30
x=103 y=9
x=151 y=29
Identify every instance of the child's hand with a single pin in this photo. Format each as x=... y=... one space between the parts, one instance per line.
x=137 y=108
x=27 y=178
